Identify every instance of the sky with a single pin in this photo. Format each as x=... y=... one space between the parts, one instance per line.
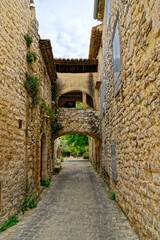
x=67 y=23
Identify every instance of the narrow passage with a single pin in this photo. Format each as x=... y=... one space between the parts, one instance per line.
x=75 y=207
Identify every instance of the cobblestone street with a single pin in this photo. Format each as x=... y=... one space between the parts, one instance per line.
x=75 y=207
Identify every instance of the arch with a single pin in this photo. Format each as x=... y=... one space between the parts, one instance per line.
x=63 y=133
x=74 y=89
x=70 y=98
x=43 y=159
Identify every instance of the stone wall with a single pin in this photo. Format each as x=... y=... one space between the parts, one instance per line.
x=132 y=117
x=84 y=82
x=82 y=121
x=20 y=126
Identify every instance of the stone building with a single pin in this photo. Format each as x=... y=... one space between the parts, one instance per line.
x=127 y=47
x=77 y=81
x=118 y=87
x=25 y=131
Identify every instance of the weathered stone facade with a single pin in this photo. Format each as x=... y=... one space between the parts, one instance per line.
x=131 y=118
x=82 y=121
x=21 y=135
x=84 y=82
x=126 y=117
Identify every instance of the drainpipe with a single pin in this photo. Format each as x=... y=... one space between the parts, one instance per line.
x=95 y=13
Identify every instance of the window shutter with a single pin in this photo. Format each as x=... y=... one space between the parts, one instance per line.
x=108 y=11
x=102 y=98
x=117 y=60
x=114 y=165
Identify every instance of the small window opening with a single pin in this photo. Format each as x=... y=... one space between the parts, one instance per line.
x=20 y=123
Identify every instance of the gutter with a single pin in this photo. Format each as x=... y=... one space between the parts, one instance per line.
x=95 y=13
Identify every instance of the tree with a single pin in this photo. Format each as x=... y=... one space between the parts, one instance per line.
x=77 y=142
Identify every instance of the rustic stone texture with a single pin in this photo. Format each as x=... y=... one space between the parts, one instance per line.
x=19 y=152
x=132 y=117
x=84 y=82
x=84 y=121
x=75 y=207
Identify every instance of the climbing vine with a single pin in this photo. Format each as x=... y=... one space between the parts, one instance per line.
x=32 y=86
x=55 y=126
x=54 y=91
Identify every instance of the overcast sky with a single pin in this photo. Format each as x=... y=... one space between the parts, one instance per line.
x=68 y=24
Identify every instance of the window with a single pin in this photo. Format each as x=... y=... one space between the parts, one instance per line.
x=114 y=164
x=20 y=123
x=108 y=11
x=102 y=98
x=105 y=153
x=116 y=60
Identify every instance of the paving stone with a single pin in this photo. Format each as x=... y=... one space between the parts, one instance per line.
x=75 y=207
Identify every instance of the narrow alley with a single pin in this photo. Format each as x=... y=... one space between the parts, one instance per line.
x=76 y=207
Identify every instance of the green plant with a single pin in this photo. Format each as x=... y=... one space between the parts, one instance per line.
x=32 y=86
x=55 y=126
x=46 y=182
x=62 y=159
x=113 y=196
x=94 y=165
x=24 y=206
x=27 y=186
x=54 y=91
x=26 y=132
x=28 y=39
x=31 y=57
x=104 y=174
x=12 y=220
x=32 y=203
x=54 y=173
x=86 y=154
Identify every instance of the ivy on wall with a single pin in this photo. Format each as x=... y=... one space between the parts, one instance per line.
x=55 y=126
x=54 y=91
x=32 y=86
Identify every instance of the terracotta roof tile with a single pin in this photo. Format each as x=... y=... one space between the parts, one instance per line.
x=96 y=35
x=46 y=49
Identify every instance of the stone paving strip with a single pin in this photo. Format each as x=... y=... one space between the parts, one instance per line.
x=75 y=207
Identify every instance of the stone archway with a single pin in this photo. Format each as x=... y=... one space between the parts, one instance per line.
x=43 y=162
x=73 y=97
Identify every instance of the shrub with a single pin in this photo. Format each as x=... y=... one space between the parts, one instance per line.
x=113 y=196
x=13 y=220
x=86 y=154
x=32 y=86
x=31 y=57
x=24 y=206
x=28 y=39
x=29 y=204
x=62 y=159
x=32 y=203
x=46 y=182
